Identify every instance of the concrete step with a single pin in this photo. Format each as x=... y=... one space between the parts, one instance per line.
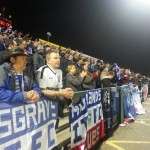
x=63 y=121
x=66 y=112
x=63 y=124
x=63 y=131
x=63 y=138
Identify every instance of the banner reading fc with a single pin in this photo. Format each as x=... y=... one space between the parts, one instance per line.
x=86 y=118
x=28 y=126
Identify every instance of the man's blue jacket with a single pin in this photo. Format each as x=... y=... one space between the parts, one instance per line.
x=7 y=86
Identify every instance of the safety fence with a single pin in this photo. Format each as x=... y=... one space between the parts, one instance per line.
x=100 y=111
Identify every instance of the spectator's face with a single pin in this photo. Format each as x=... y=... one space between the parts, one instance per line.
x=47 y=49
x=54 y=60
x=1 y=37
x=70 y=57
x=41 y=51
x=19 y=63
x=73 y=70
x=23 y=45
x=5 y=36
x=85 y=67
x=15 y=45
x=127 y=71
x=106 y=69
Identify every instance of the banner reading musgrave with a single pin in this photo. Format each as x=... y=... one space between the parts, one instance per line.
x=29 y=126
x=86 y=118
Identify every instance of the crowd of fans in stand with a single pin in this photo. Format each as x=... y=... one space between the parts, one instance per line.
x=80 y=72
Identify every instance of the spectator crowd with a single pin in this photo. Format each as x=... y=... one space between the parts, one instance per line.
x=78 y=71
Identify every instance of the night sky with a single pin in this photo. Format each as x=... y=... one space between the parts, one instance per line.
x=112 y=30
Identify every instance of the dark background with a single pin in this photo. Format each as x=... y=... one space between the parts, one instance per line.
x=112 y=30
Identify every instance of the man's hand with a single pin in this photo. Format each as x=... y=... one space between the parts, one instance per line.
x=33 y=96
x=67 y=93
x=83 y=73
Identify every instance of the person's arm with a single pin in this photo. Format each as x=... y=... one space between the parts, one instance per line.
x=75 y=81
x=89 y=79
x=9 y=96
x=67 y=93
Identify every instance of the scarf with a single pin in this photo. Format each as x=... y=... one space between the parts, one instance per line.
x=16 y=80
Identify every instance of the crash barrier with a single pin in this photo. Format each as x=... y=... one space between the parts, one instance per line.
x=97 y=115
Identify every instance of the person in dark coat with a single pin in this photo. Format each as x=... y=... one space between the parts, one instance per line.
x=89 y=82
x=63 y=63
x=38 y=59
x=106 y=77
x=73 y=81
x=2 y=44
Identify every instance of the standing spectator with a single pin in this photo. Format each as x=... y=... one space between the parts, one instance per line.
x=63 y=63
x=49 y=78
x=97 y=65
x=78 y=65
x=89 y=82
x=106 y=77
x=10 y=45
x=15 y=85
x=92 y=66
x=22 y=44
x=73 y=81
x=126 y=76
x=70 y=60
x=2 y=44
x=38 y=59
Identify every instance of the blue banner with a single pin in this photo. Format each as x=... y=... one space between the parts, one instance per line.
x=128 y=102
x=29 y=126
x=115 y=102
x=86 y=119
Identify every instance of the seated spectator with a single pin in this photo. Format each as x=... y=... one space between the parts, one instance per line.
x=15 y=85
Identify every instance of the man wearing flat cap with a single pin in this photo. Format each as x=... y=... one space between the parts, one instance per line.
x=15 y=85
